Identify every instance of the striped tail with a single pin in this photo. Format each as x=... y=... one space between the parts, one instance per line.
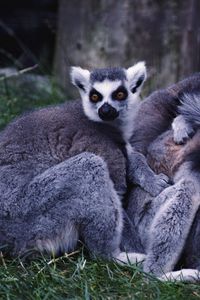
x=190 y=107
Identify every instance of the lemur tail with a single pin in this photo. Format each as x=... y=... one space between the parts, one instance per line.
x=190 y=107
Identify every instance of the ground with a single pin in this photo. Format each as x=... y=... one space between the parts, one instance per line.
x=76 y=276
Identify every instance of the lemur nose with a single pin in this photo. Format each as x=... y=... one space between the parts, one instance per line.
x=105 y=108
x=107 y=112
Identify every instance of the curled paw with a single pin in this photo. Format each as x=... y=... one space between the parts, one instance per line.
x=158 y=184
x=182 y=135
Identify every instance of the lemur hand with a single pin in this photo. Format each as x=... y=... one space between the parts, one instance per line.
x=156 y=184
x=140 y=173
x=182 y=130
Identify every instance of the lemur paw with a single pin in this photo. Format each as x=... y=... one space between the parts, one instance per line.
x=158 y=184
x=130 y=258
x=184 y=275
x=182 y=134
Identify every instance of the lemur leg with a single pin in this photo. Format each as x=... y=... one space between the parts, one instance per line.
x=190 y=257
x=172 y=222
x=182 y=130
x=141 y=210
x=140 y=173
x=75 y=199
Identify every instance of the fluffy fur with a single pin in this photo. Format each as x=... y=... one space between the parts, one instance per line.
x=185 y=124
x=166 y=228
x=61 y=174
x=164 y=222
x=62 y=178
x=106 y=82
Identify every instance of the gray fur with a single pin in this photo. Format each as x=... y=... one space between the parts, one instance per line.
x=125 y=110
x=108 y=108
x=140 y=173
x=183 y=130
x=54 y=190
x=158 y=111
x=62 y=203
x=163 y=224
x=190 y=107
x=166 y=223
x=188 y=121
x=53 y=193
x=107 y=73
x=165 y=229
x=36 y=173
x=171 y=225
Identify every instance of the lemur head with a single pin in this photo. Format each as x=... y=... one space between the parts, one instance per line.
x=109 y=93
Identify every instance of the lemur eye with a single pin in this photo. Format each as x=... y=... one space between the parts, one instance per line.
x=120 y=96
x=94 y=98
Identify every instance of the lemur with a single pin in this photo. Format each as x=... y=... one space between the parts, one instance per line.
x=57 y=170
x=111 y=96
x=103 y=96
x=166 y=133
x=62 y=176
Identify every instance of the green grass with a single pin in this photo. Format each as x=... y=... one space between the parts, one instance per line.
x=75 y=276
x=78 y=277
x=18 y=95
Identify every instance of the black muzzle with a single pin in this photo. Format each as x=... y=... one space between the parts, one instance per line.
x=107 y=113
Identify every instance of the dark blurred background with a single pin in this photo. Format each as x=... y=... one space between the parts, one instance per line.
x=54 y=34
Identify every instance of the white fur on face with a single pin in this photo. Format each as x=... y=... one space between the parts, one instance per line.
x=105 y=88
x=135 y=72
x=127 y=108
x=89 y=108
x=79 y=75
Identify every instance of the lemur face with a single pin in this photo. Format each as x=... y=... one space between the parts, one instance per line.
x=108 y=93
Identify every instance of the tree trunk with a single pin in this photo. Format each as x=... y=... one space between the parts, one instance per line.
x=98 y=33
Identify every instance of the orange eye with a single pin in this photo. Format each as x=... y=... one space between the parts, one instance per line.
x=94 y=98
x=120 y=96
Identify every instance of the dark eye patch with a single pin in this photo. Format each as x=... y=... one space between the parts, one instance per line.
x=120 y=89
x=95 y=92
x=138 y=83
x=80 y=85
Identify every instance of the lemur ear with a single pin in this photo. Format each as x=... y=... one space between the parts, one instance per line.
x=80 y=78
x=136 y=75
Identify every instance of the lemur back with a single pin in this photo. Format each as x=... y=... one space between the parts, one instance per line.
x=46 y=137
x=157 y=112
x=61 y=175
x=170 y=214
x=52 y=184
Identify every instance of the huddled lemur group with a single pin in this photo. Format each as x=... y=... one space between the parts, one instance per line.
x=64 y=172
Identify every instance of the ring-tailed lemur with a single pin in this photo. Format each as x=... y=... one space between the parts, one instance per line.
x=164 y=222
x=57 y=170
x=102 y=105
x=111 y=96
